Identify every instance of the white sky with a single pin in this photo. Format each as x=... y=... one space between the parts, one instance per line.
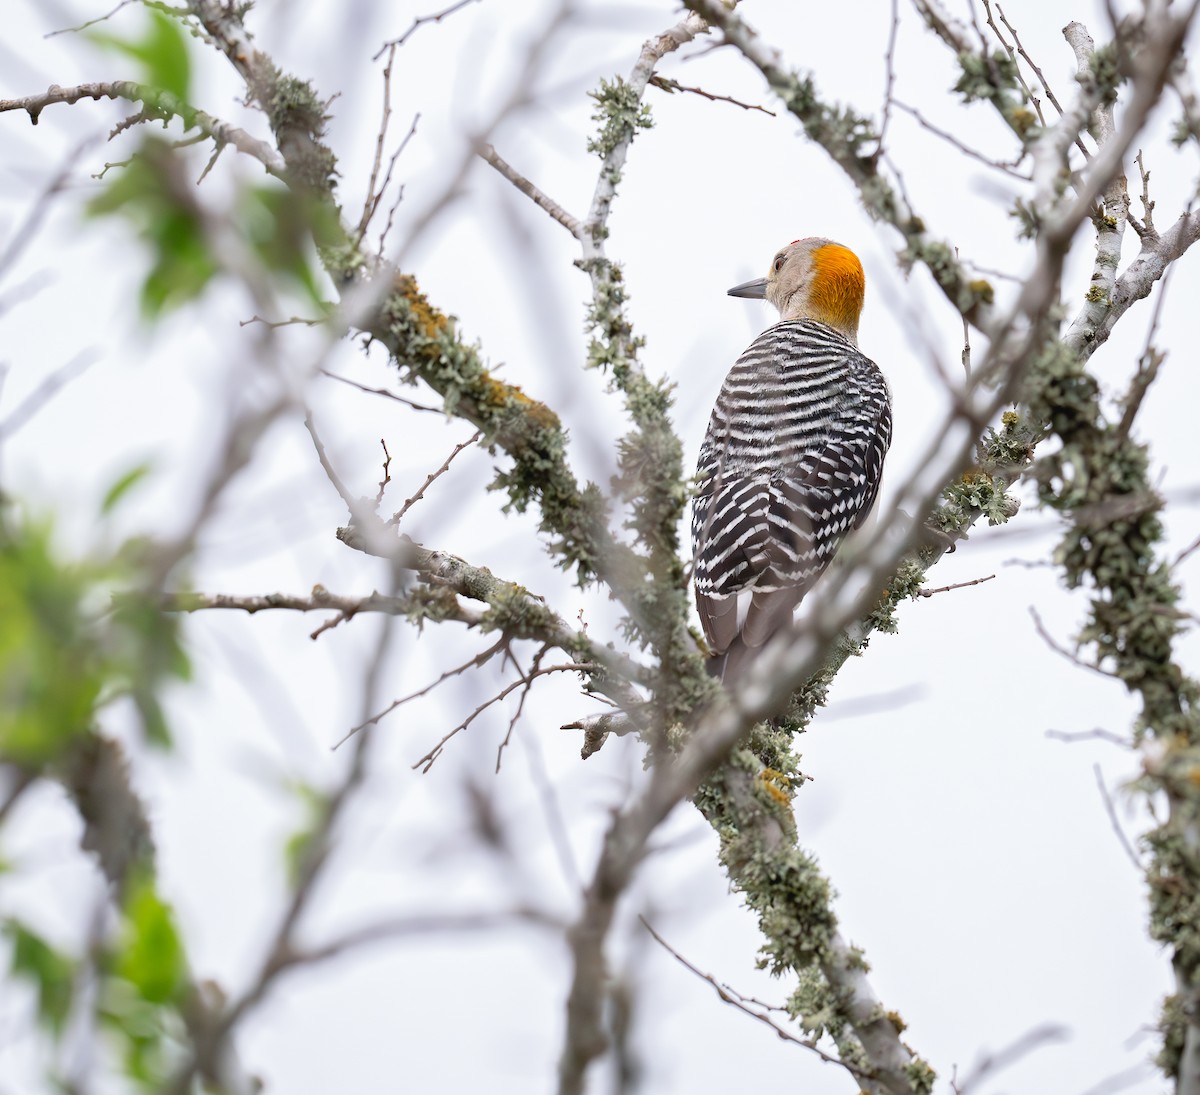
x=973 y=856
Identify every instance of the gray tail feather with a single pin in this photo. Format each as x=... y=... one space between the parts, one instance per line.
x=728 y=667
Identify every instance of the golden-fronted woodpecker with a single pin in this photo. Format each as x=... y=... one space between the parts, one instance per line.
x=793 y=455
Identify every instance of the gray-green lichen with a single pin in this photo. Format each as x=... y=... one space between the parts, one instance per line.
x=1099 y=479
x=619 y=114
x=905 y=584
x=298 y=118
x=424 y=343
x=990 y=76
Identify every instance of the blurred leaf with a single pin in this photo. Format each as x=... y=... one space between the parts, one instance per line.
x=154 y=638
x=51 y=674
x=280 y=224
x=122 y=487
x=62 y=658
x=152 y=192
x=51 y=972
x=150 y=956
x=147 y=1033
x=162 y=52
x=315 y=805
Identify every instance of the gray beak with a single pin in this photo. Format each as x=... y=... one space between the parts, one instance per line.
x=757 y=289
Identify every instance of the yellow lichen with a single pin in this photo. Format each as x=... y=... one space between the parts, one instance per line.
x=982 y=290
x=776 y=786
x=500 y=395
x=1022 y=120
x=430 y=322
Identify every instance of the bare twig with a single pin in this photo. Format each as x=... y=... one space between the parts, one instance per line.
x=427 y=761
x=352 y=504
x=1145 y=227
x=890 y=83
x=1045 y=84
x=419 y=22
x=1071 y=736
x=1117 y=828
x=1187 y=552
x=1007 y=168
x=387 y=181
x=92 y=22
x=482 y=658
x=374 y=195
x=387 y=473
x=28 y=229
x=756 y=1009
x=422 y=926
x=383 y=392
x=346 y=608
x=275 y=325
x=1061 y=650
x=430 y=479
x=372 y=199
x=549 y=205
x=991 y=1063
x=45 y=391
x=956 y=585
x=665 y=83
x=516 y=717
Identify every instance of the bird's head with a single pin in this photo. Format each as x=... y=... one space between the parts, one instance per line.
x=813 y=279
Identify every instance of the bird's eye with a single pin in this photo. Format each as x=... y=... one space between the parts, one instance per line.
x=779 y=262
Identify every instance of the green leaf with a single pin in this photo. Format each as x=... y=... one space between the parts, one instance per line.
x=153 y=192
x=51 y=973
x=51 y=673
x=315 y=806
x=150 y=956
x=280 y=224
x=162 y=52
x=122 y=486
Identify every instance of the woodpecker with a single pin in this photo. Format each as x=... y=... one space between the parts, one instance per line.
x=793 y=455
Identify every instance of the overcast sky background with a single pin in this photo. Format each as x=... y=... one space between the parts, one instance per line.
x=972 y=854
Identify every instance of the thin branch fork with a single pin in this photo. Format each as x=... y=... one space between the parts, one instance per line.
x=1058 y=648
x=375 y=196
x=756 y=1009
x=665 y=83
x=538 y=622
x=418 y=22
x=319 y=600
x=480 y=659
x=161 y=104
x=961 y=146
x=431 y=478
x=523 y=682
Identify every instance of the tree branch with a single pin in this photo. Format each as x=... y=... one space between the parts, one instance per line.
x=158 y=103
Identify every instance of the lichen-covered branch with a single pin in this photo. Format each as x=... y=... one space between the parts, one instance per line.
x=834 y=994
x=511 y=609
x=651 y=475
x=850 y=140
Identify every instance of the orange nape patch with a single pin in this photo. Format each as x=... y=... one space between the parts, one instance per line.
x=838 y=286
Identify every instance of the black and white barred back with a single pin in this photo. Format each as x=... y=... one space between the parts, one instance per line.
x=790 y=464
